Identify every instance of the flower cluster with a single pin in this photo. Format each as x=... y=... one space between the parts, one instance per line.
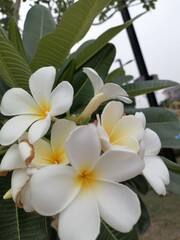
x=76 y=174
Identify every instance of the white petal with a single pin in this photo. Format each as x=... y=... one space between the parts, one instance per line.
x=25 y=198
x=43 y=154
x=39 y=129
x=119 y=165
x=80 y=220
x=156 y=173
x=15 y=127
x=12 y=159
x=111 y=114
x=129 y=142
x=113 y=91
x=119 y=206
x=152 y=142
x=142 y=117
x=41 y=83
x=18 y=181
x=53 y=188
x=127 y=126
x=59 y=133
x=17 y=101
x=95 y=79
x=61 y=98
x=83 y=148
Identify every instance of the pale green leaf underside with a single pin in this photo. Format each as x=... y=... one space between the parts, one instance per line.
x=38 y=23
x=55 y=47
x=144 y=87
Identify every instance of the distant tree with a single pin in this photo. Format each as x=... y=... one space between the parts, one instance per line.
x=58 y=7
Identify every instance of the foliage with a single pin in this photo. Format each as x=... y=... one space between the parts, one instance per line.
x=44 y=44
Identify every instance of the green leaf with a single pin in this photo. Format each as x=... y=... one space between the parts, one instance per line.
x=15 y=223
x=164 y=123
x=14 y=70
x=173 y=167
x=144 y=220
x=55 y=47
x=144 y=87
x=67 y=73
x=38 y=23
x=108 y=233
x=100 y=42
x=101 y=63
x=174 y=185
x=119 y=72
x=15 y=38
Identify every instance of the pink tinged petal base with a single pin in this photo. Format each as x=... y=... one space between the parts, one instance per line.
x=15 y=127
x=41 y=83
x=39 y=129
x=119 y=206
x=53 y=188
x=119 y=165
x=83 y=148
x=17 y=101
x=111 y=114
x=156 y=173
x=61 y=98
x=80 y=220
x=12 y=159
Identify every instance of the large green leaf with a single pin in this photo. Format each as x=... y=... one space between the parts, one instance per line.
x=15 y=224
x=173 y=167
x=101 y=62
x=144 y=87
x=15 y=38
x=13 y=69
x=107 y=233
x=164 y=123
x=38 y=23
x=174 y=185
x=100 y=42
x=55 y=47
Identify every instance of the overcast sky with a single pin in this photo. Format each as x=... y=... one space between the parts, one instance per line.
x=159 y=37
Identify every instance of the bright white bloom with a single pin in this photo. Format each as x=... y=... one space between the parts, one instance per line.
x=155 y=170
x=102 y=92
x=116 y=130
x=24 y=157
x=88 y=190
x=35 y=112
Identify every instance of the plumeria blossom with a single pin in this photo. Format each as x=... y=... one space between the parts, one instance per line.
x=102 y=93
x=88 y=189
x=117 y=130
x=34 y=112
x=155 y=171
x=24 y=158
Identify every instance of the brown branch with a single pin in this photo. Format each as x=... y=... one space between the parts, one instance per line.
x=16 y=10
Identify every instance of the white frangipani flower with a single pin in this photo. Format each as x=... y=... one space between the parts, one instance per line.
x=88 y=189
x=116 y=130
x=155 y=170
x=24 y=158
x=102 y=92
x=34 y=111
